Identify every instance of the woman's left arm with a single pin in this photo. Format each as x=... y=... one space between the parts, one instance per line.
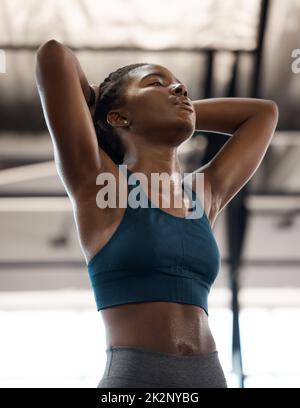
x=252 y=123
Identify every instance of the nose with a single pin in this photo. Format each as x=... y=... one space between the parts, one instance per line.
x=179 y=89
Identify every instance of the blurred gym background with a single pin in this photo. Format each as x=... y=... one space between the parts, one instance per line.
x=50 y=332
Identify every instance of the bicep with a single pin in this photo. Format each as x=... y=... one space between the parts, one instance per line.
x=67 y=117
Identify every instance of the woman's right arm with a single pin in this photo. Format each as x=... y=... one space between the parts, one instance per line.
x=64 y=92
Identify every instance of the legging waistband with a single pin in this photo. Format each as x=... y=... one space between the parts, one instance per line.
x=128 y=367
x=162 y=353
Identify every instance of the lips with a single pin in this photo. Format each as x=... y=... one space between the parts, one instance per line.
x=185 y=106
x=184 y=103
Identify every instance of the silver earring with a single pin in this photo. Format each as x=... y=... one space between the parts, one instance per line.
x=126 y=122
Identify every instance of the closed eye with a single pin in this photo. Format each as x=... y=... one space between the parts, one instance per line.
x=156 y=82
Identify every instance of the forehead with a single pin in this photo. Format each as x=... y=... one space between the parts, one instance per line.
x=153 y=69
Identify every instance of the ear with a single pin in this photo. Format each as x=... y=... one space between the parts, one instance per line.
x=115 y=119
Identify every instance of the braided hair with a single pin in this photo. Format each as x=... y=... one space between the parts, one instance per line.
x=111 y=96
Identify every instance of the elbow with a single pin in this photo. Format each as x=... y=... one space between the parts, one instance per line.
x=49 y=44
x=272 y=108
x=50 y=56
x=50 y=47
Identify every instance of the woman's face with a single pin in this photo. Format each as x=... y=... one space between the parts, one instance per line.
x=155 y=108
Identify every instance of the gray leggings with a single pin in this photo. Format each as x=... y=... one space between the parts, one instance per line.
x=135 y=367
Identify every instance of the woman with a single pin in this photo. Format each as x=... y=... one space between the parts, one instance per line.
x=151 y=269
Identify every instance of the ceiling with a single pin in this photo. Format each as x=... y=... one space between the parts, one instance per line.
x=154 y=24
x=120 y=32
x=107 y=35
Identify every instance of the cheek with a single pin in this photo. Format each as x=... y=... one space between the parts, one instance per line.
x=143 y=100
x=145 y=109
x=149 y=98
x=152 y=108
x=147 y=115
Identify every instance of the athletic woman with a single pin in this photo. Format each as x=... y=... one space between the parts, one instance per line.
x=151 y=269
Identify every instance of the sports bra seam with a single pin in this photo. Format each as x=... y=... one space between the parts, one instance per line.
x=93 y=259
x=196 y=279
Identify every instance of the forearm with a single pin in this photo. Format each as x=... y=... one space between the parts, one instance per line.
x=227 y=115
x=55 y=50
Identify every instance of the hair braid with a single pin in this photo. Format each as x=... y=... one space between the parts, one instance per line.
x=111 y=96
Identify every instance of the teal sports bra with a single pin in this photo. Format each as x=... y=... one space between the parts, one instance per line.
x=156 y=256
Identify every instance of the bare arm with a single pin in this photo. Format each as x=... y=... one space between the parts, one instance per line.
x=64 y=91
x=252 y=123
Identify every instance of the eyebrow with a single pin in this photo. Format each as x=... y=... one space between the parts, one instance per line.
x=158 y=74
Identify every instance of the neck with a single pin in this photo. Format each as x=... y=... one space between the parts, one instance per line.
x=154 y=160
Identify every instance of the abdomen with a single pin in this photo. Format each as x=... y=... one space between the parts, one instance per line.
x=159 y=326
